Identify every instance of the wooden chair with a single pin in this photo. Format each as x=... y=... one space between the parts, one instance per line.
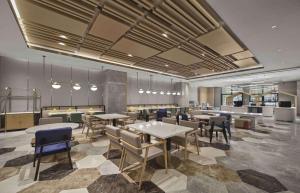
x=183 y=139
x=133 y=147
x=169 y=120
x=95 y=125
x=114 y=136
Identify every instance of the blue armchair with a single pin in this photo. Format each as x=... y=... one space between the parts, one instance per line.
x=50 y=142
x=160 y=114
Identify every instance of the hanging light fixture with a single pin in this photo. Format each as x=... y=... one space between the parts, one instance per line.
x=162 y=92
x=153 y=91
x=178 y=94
x=174 y=93
x=140 y=91
x=54 y=84
x=93 y=87
x=76 y=86
x=149 y=88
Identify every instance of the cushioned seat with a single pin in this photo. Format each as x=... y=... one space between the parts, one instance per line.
x=54 y=148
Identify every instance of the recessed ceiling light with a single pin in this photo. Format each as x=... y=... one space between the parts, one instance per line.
x=166 y=65
x=165 y=35
x=202 y=54
x=279 y=50
x=63 y=36
x=130 y=55
x=179 y=47
x=61 y=43
x=274 y=26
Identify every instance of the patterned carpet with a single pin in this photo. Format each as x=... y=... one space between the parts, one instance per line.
x=256 y=161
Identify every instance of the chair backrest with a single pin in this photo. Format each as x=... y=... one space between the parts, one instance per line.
x=217 y=120
x=184 y=117
x=63 y=116
x=49 y=136
x=113 y=133
x=194 y=125
x=49 y=120
x=132 y=142
x=75 y=117
x=169 y=120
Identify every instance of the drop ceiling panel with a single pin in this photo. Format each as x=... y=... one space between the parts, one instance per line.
x=44 y=16
x=136 y=49
x=243 y=55
x=108 y=28
x=179 y=56
x=246 y=63
x=221 y=42
x=89 y=53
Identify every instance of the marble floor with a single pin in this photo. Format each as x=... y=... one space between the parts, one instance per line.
x=264 y=160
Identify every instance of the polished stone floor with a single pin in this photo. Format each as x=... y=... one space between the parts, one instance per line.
x=263 y=160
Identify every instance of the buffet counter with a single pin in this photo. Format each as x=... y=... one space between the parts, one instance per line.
x=285 y=114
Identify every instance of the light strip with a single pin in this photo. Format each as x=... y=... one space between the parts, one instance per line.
x=19 y=19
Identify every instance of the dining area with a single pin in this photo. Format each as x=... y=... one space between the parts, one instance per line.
x=132 y=144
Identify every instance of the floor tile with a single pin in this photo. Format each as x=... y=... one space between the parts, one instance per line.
x=90 y=161
x=172 y=181
x=205 y=184
x=80 y=190
x=108 y=168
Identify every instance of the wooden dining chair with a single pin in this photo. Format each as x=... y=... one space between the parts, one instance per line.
x=141 y=152
x=114 y=136
x=183 y=139
x=94 y=125
x=169 y=120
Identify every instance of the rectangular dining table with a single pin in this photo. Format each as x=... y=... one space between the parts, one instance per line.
x=112 y=116
x=160 y=130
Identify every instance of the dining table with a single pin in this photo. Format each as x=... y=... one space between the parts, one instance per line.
x=112 y=116
x=34 y=129
x=161 y=130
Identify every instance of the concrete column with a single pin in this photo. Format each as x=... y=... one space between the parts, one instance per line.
x=183 y=99
x=298 y=97
x=114 y=87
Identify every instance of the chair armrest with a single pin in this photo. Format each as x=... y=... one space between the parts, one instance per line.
x=152 y=144
x=191 y=132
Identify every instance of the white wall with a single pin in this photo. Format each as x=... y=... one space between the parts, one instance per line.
x=19 y=75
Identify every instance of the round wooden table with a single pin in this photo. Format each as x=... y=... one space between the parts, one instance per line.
x=32 y=130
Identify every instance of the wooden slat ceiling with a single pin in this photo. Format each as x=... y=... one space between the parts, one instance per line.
x=184 y=38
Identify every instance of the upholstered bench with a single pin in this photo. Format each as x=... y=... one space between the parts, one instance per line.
x=242 y=123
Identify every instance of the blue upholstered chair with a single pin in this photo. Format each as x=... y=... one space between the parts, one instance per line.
x=50 y=142
x=160 y=114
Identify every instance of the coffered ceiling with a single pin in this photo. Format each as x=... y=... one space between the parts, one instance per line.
x=182 y=38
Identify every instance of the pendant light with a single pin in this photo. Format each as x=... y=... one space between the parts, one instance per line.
x=149 y=91
x=151 y=80
x=162 y=92
x=76 y=86
x=140 y=91
x=93 y=87
x=168 y=92
x=54 y=84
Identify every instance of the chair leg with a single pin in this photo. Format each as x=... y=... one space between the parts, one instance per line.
x=210 y=135
x=225 y=135
x=83 y=128
x=185 y=148
x=217 y=134
x=166 y=155
x=143 y=168
x=70 y=160
x=34 y=159
x=87 y=132
x=37 y=168
x=122 y=157
x=197 y=144
x=107 y=154
x=123 y=161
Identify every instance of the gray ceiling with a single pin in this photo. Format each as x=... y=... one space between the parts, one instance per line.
x=250 y=20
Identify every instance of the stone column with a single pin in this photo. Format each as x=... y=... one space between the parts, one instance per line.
x=114 y=87
x=183 y=99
